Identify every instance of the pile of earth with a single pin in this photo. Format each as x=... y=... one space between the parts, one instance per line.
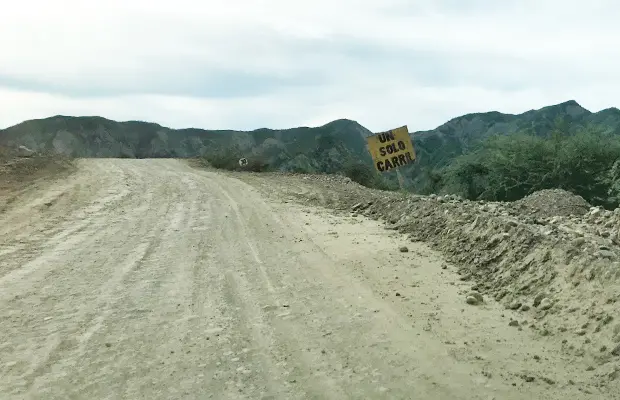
x=559 y=270
x=19 y=171
x=552 y=203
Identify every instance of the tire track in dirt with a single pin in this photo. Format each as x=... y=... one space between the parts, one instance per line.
x=60 y=350
x=107 y=293
x=187 y=284
x=291 y=333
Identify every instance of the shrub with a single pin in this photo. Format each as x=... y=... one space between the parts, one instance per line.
x=229 y=160
x=507 y=168
x=365 y=175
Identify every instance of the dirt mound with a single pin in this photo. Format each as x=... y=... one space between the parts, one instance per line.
x=553 y=202
x=19 y=173
x=551 y=257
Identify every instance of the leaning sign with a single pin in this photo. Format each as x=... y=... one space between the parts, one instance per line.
x=391 y=149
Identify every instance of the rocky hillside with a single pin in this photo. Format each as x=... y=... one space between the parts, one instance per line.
x=320 y=149
x=440 y=146
x=309 y=149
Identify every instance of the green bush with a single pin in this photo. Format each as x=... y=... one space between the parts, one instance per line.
x=365 y=175
x=256 y=164
x=507 y=168
x=301 y=169
x=229 y=160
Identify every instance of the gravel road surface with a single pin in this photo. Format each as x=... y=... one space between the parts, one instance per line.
x=149 y=279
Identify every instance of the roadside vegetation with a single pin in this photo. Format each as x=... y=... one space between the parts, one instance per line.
x=357 y=171
x=510 y=167
x=585 y=162
x=230 y=162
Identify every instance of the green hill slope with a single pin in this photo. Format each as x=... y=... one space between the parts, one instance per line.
x=320 y=149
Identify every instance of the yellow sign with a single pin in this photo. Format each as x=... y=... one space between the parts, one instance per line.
x=391 y=149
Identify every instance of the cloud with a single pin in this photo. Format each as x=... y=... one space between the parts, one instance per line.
x=273 y=63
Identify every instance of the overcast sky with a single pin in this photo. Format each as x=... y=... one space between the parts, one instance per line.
x=245 y=64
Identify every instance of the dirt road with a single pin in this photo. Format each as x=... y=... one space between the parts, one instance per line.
x=148 y=279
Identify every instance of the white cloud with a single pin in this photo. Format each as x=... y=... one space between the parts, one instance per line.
x=244 y=64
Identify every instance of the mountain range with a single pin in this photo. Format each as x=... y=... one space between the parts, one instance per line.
x=320 y=149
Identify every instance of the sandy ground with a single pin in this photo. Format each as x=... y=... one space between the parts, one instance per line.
x=148 y=279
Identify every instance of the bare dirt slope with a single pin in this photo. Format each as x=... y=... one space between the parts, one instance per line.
x=19 y=175
x=147 y=279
